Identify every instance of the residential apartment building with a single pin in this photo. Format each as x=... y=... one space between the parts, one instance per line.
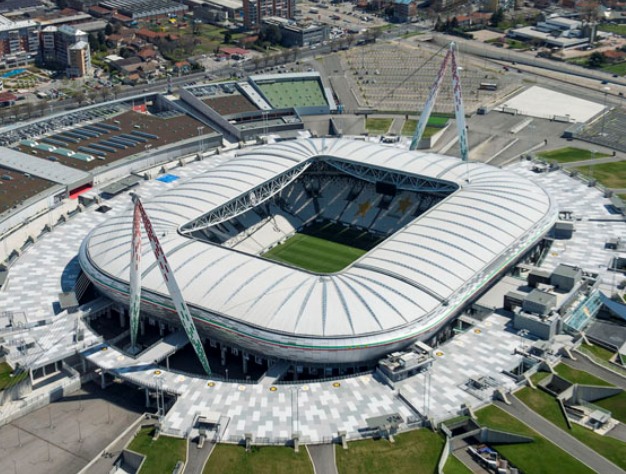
x=19 y=42
x=67 y=49
x=254 y=11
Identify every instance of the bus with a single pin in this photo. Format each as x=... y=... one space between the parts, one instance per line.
x=488 y=86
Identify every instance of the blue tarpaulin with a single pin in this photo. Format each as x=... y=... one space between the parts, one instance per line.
x=167 y=178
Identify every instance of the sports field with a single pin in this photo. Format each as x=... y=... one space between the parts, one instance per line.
x=314 y=254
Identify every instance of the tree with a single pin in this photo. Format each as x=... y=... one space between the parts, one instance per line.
x=108 y=30
x=79 y=96
x=228 y=37
x=272 y=34
x=497 y=17
x=595 y=60
x=93 y=42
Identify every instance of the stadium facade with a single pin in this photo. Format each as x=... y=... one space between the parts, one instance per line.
x=450 y=227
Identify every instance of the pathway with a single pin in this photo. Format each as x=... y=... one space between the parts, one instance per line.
x=323 y=457
x=582 y=363
x=559 y=437
x=197 y=458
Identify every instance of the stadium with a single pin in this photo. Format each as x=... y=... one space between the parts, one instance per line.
x=326 y=251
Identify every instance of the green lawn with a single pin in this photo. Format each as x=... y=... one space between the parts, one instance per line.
x=544 y=404
x=454 y=466
x=597 y=352
x=601 y=356
x=579 y=376
x=538 y=377
x=414 y=452
x=314 y=254
x=616 y=405
x=161 y=455
x=408 y=129
x=611 y=175
x=618 y=29
x=5 y=376
x=378 y=126
x=618 y=68
x=547 y=406
x=233 y=459
x=539 y=457
x=569 y=154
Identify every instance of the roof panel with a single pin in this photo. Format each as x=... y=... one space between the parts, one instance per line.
x=399 y=283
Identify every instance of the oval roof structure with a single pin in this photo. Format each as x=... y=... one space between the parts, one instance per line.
x=436 y=261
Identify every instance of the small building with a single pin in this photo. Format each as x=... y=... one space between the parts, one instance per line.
x=539 y=302
x=566 y=277
x=298 y=34
x=7 y=99
x=401 y=365
x=538 y=276
x=404 y=10
x=541 y=327
x=564 y=230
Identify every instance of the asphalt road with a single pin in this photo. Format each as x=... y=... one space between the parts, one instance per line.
x=323 y=456
x=559 y=437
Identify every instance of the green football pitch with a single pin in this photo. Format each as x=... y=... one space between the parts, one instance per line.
x=314 y=254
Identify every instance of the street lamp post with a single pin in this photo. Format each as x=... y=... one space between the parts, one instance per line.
x=604 y=114
x=522 y=333
x=200 y=140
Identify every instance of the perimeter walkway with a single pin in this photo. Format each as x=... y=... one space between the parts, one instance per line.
x=323 y=457
x=559 y=437
x=584 y=364
x=197 y=458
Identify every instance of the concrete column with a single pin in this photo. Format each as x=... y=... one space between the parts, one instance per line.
x=147 y=397
x=142 y=327
x=84 y=366
x=122 y=318
x=244 y=362
x=167 y=362
x=102 y=382
x=223 y=354
x=161 y=329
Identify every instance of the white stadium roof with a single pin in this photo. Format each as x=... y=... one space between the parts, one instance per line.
x=424 y=266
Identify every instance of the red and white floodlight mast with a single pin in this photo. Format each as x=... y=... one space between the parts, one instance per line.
x=169 y=279
x=459 y=113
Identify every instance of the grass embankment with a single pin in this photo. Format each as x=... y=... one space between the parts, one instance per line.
x=547 y=406
x=611 y=175
x=617 y=68
x=616 y=405
x=435 y=124
x=454 y=466
x=161 y=455
x=569 y=155
x=378 y=126
x=539 y=457
x=414 y=452
x=601 y=356
x=6 y=379
x=233 y=459
x=314 y=254
x=617 y=29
